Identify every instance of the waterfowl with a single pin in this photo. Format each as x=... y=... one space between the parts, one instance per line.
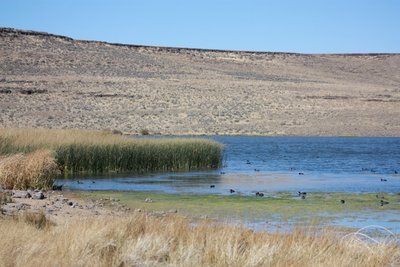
x=377 y=196
x=248 y=162
x=212 y=186
x=256 y=170
x=384 y=202
x=301 y=173
x=57 y=187
x=342 y=201
x=79 y=182
x=261 y=194
x=303 y=196
x=222 y=172
x=302 y=193
x=232 y=191
x=383 y=180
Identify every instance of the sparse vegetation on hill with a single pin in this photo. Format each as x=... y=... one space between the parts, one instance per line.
x=56 y=82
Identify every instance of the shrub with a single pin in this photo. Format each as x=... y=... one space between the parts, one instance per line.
x=5 y=198
x=144 y=132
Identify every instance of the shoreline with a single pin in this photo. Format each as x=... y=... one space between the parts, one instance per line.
x=104 y=232
x=134 y=134
x=63 y=206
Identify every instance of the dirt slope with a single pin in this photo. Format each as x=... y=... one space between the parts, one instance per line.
x=54 y=81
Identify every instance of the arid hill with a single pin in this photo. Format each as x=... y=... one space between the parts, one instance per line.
x=54 y=81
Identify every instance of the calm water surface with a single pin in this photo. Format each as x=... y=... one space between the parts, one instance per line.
x=270 y=164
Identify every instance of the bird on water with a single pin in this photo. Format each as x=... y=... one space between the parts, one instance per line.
x=384 y=203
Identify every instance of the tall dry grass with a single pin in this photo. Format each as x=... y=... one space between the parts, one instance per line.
x=35 y=170
x=99 y=152
x=143 y=240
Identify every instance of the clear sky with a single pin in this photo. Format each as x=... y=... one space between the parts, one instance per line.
x=305 y=26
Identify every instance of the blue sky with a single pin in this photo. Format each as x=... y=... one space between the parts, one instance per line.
x=308 y=26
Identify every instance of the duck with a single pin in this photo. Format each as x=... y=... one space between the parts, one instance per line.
x=232 y=191
x=212 y=186
x=342 y=201
x=57 y=187
x=383 y=180
x=384 y=203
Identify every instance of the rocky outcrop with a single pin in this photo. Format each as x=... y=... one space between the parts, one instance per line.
x=21 y=194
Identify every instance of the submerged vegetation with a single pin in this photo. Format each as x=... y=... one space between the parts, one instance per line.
x=282 y=209
x=146 y=240
x=101 y=152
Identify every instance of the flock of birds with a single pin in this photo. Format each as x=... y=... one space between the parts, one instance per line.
x=303 y=195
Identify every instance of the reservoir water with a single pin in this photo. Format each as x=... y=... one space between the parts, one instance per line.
x=275 y=164
x=282 y=164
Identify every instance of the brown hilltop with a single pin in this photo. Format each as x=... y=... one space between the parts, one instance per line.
x=54 y=81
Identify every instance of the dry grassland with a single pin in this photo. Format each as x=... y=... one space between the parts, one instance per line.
x=144 y=240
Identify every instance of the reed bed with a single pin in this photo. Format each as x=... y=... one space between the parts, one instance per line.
x=101 y=152
x=145 y=240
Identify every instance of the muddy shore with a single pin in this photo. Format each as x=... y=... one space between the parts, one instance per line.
x=61 y=206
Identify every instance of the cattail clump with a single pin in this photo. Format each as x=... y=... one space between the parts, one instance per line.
x=77 y=151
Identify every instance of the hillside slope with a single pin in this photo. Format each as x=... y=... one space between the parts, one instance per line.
x=54 y=81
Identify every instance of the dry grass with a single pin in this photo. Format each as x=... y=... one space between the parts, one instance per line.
x=35 y=170
x=30 y=138
x=37 y=219
x=143 y=240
